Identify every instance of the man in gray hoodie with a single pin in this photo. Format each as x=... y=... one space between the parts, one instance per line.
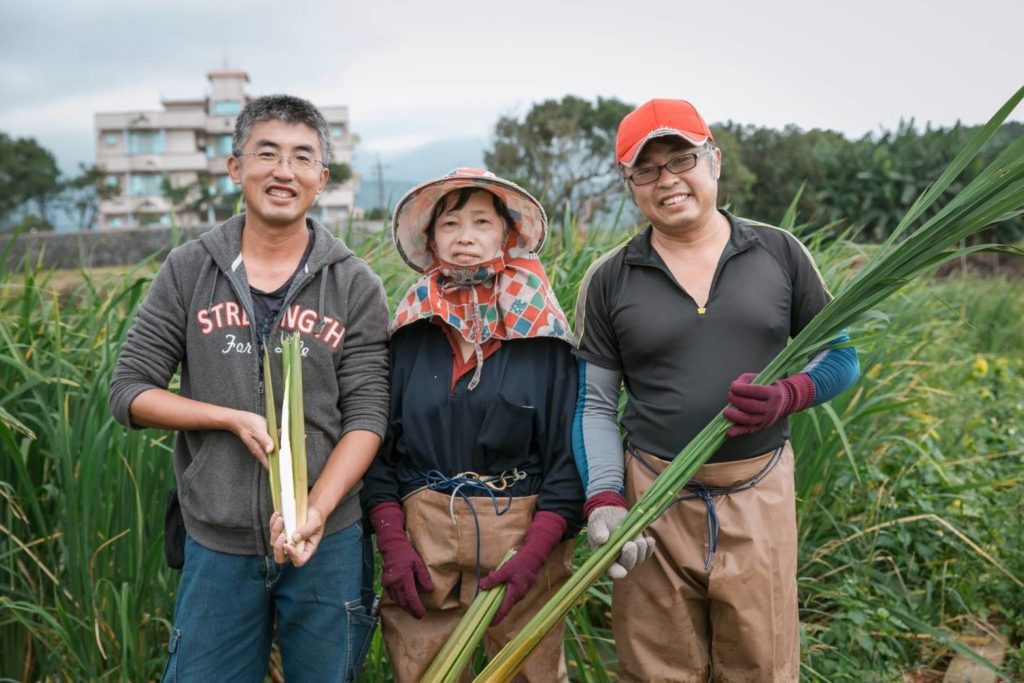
x=214 y=305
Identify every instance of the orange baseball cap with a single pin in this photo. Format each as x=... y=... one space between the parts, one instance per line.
x=655 y=119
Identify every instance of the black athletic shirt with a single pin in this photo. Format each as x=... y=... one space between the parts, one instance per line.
x=677 y=361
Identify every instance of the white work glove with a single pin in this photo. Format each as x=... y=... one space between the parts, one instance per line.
x=605 y=511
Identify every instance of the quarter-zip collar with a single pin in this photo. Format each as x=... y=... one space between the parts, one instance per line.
x=640 y=251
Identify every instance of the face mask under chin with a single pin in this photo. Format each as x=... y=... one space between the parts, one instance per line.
x=471 y=275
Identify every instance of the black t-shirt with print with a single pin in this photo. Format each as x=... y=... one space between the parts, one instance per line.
x=266 y=306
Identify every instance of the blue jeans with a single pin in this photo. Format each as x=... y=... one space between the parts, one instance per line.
x=227 y=604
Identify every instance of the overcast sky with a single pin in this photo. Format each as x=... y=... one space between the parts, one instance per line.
x=416 y=71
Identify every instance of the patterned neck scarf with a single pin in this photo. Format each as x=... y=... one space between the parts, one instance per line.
x=507 y=298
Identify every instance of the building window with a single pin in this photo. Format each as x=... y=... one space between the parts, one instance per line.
x=151 y=219
x=223 y=145
x=337 y=132
x=110 y=139
x=226 y=186
x=145 y=142
x=116 y=222
x=226 y=107
x=146 y=185
x=111 y=181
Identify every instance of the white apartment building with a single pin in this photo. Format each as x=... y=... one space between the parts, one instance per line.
x=186 y=145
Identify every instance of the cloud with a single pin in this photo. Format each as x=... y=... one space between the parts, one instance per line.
x=82 y=46
x=412 y=71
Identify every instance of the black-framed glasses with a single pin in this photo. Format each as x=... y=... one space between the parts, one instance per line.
x=676 y=165
x=300 y=161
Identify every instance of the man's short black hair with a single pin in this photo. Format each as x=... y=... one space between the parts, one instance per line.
x=284 y=108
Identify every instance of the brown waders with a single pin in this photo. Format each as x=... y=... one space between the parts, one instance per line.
x=450 y=553
x=673 y=619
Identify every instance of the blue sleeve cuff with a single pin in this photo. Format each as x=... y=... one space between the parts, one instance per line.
x=579 y=452
x=834 y=370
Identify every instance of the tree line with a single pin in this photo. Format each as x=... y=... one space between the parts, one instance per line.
x=35 y=190
x=34 y=187
x=562 y=151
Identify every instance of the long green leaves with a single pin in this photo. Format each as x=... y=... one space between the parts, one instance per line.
x=451 y=661
x=81 y=499
x=996 y=192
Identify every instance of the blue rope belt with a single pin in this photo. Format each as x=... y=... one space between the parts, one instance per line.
x=708 y=493
x=466 y=483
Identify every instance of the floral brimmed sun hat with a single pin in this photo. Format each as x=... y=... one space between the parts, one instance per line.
x=414 y=210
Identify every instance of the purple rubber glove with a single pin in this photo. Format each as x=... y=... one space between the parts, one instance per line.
x=757 y=406
x=520 y=571
x=402 y=568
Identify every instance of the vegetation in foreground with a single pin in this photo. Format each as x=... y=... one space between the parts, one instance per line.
x=910 y=513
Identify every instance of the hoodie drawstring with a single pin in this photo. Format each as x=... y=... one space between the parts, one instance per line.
x=216 y=276
x=322 y=300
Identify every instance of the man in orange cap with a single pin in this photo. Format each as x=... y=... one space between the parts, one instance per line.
x=683 y=315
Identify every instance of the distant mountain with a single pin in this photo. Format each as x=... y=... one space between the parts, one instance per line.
x=400 y=171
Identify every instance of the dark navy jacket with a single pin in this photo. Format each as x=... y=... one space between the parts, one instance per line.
x=519 y=415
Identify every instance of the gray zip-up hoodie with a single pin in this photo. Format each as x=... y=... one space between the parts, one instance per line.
x=199 y=314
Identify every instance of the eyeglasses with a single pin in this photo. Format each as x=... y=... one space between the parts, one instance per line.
x=680 y=164
x=301 y=161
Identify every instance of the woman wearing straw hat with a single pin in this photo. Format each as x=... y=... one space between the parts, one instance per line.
x=478 y=458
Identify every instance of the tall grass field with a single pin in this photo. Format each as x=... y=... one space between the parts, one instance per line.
x=909 y=484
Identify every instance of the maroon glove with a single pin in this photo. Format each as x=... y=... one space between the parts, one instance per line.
x=401 y=567
x=520 y=571
x=757 y=406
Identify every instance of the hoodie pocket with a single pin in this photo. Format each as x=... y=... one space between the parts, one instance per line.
x=506 y=434
x=217 y=488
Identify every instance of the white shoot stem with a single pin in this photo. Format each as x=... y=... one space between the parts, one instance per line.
x=285 y=459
